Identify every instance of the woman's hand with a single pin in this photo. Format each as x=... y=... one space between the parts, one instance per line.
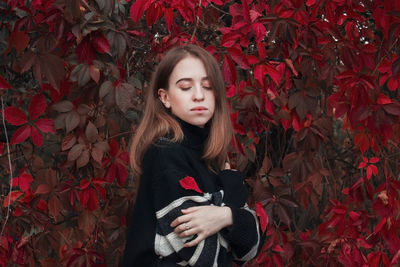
x=228 y=166
x=202 y=221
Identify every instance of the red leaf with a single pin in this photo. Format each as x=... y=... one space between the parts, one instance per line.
x=190 y=184
x=369 y=172
x=259 y=74
x=113 y=148
x=15 y=116
x=277 y=248
x=43 y=189
x=21 y=135
x=93 y=200
x=383 y=99
x=4 y=84
x=354 y=215
x=19 y=40
x=289 y=63
x=237 y=55
x=371 y=169
x=85 y=52
x=122 y=174
x=84 y=184
x=23 y=181
x=136 y=33
x=46 y=125
x=373 y=160
x=393 y=84
x=42 y=205
x=362 y=165
x=37 y=106
x=101 y=44
x=111 y=173
x=124 y=156
x=100 y=190
x=229 y=70
x=54 y=207
x=374 y=259
x=393 y=109
x=262 y=215
x=37 y=137
x=310 y=2
x=363 y=141
x=94 y=73
x=231 y=91
x=380 y=225
x=259 y=30
x=138 y=8
x=273 y=73
x=12 y=197
x=169 y=17
x=154 y=13
x=277 y=260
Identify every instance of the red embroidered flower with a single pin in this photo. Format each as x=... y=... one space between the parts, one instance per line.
x=190 y=184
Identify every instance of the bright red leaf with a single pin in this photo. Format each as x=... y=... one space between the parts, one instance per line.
x=15 y=116
x=11 y=197
x=138 y=8
x=45 y=125
x=189 y=183
x=101 y=44
x=21 y=135
x=37 y=137
x=37 y=106
x=4 y=84
x=262 y=215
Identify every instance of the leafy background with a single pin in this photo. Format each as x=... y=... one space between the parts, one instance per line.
x=314 y=95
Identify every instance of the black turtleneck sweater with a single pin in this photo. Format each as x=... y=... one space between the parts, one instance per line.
x=175 y=177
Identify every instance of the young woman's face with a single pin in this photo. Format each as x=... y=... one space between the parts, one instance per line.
x=189 y=95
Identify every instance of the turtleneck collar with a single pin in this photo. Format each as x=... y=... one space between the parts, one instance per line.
x=195 y=136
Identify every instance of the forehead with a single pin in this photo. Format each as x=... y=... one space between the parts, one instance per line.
x=188 y=68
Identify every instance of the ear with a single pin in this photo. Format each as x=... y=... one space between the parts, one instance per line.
x=163 y=95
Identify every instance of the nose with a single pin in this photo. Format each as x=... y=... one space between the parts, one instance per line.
x=198 y=93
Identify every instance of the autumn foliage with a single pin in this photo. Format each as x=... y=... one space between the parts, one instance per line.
x=314 y=98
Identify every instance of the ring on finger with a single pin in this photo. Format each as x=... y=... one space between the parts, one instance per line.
x=187 y=227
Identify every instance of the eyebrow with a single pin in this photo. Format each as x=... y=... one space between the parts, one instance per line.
x=190 y=79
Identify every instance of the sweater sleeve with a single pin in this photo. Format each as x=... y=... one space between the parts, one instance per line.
x=244 y=234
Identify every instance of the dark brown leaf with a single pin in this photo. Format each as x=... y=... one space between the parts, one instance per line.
x=91 y=132
x=105 y=88
x=68 y=141
x=83 y=159
x=72 y=120
x=87 y=222
x=75 y=152
x=63 y=106
x=97 y=154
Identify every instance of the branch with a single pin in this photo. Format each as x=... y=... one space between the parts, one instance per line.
x=197 y=23
x=10 y=165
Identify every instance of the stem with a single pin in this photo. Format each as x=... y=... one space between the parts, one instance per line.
x=10 y=166
x=197 y=24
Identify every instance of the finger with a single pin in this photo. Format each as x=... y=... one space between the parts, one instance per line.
x=187 y=233
x=180 y=220
x=227 y=166
x=190 y=210
x=194 y=242
x=181 y=228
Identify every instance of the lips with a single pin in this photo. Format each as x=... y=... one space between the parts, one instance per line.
x=199 y=109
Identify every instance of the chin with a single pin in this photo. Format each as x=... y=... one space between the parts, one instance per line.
x=199 y=123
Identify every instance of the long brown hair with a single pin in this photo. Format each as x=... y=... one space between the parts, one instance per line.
x=157 y=121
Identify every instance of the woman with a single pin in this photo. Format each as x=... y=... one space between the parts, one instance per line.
x=188 y=212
